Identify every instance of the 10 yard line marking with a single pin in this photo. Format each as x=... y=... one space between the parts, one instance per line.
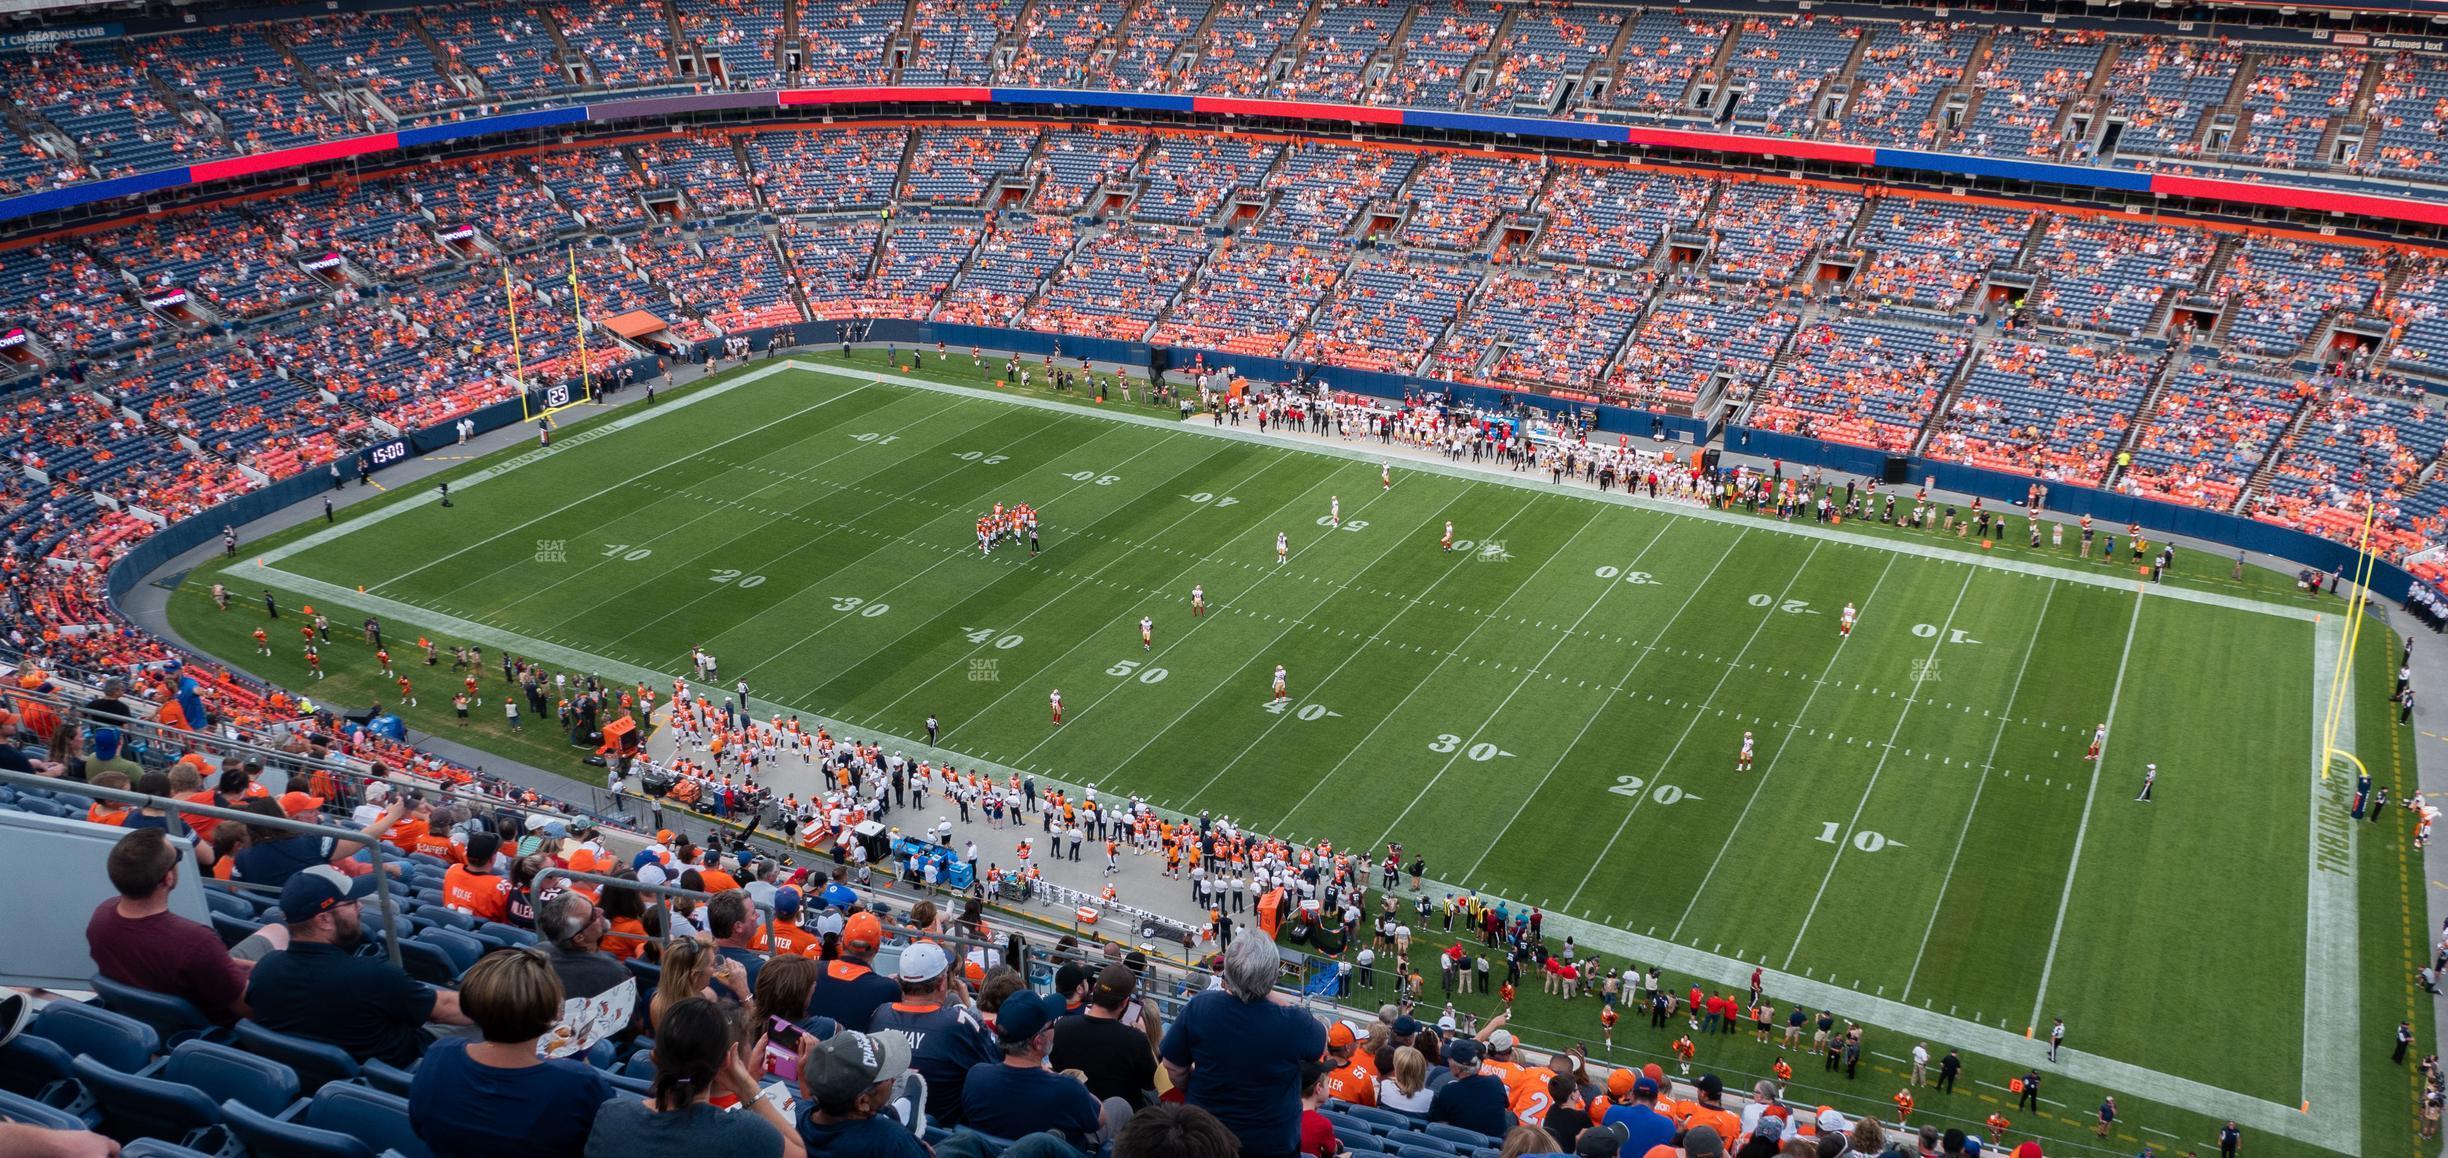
x=1937 y=641
x=1766 y=616
x=1472 y=872
x=610 y=487
x=1606 y=587
x=2004 y=718
x=2065 y=898
x=1761 y=785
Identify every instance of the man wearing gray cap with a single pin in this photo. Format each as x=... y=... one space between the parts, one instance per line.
x=944 y=1034
x=848 y=1078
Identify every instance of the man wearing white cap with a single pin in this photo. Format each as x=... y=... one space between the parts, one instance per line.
x=945 y=1035
x=2150 y=777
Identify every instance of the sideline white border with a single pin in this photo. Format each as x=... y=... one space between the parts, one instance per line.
x=2331 y=1073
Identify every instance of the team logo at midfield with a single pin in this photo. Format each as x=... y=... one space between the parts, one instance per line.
x=552 y=551
x=1493 y=551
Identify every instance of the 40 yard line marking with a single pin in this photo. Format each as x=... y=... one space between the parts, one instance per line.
x=1173 y=640
x=2065 y=896
x=1097 y=633
x=2005 y=718
x=1936 y=641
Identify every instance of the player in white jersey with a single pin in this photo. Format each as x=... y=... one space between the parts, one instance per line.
x=2099 y=740
x=1283 y=548
x=1198 y=600
x=1056 y=701
x=1448 y=543
x=1334 y=510
x=1844 y=627
x=1147 y=632
x=1279 y=681
x=1742 y=763
x=1385 y=474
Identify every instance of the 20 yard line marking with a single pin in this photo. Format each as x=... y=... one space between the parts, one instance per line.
x=1767 y=614
x=1761 y=785
x=1473 y=871
x=2065 y=897
x=1937 y=641
x=1948 y=878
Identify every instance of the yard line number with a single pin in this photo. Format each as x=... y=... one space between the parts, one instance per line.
x=1635 y=787
x=1865 y=840
x=984 y=635
x=1090 y=476
x=1310 y=712
x=1154 y=675
x=980 y=456
x=1348 y=524
x=1789 y=607
x=1210 y=498
x=854 y=603
x=876 y=438
x=1447 y=743
x=1638 y=578
x=616 y=551
x=735 y=579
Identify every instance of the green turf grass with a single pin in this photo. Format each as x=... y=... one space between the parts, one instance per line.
x=1555 y=721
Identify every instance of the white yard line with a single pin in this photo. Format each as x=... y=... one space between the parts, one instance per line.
x=1356 y=653
x=1767 y=615
x=600 y=492
x=1293 y=625
x=1176 y=639
x=1760 y=785
x=1913 y=697
x=2005 y=719
x=1472 y=872
x=1094 y=636
x=2065 y=896
x=2332 y=1067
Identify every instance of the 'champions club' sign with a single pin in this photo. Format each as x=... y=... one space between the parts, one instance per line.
x=47 y=39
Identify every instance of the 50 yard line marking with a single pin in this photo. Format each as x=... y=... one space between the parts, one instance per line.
x=1472 y=872
x=2005 y=718
x=1173 y=640
x=2065 y=896
x=1851 y=823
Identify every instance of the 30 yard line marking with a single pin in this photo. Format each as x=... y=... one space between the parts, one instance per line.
x=1851 y=823
x=2065 y=897
x=1603 y=591
x=1472 y=872
x=2004 y=718
x=1767 y=615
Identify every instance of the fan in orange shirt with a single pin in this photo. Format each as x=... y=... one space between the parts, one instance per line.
x=478 y=891
x=1352 y=1078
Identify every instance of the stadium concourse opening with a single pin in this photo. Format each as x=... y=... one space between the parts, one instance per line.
x=1811 y=536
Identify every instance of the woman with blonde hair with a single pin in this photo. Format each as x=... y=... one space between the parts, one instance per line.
x=1526 y=1139
x=691 y=968
x=1405 y=1090
x=472 y=1097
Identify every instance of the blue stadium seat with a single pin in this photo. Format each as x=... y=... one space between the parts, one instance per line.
x=19 y=1108
x=507 y=934
x=156 y=1148
x=115 y=1040
x=1471 y=1139
x=225 y=901
x=268 y=1137
x=1346 y=1125
x=378 y=1119
x=464 y=948
x=174 y=1018
x=385 y=1077
x=448 y=918
x=1383 y=1118
x=1417 y=1151
x=316 y=1064
x=232 y=929
x=40 y=807
x=172 y=1101
x=427 y=961
x=1359 y=1141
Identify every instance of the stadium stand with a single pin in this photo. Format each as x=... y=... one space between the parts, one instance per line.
x=917 y=264
x=1242 y=41
x=1455 y=197
x=1661 y=55
x=1342 y=40
x=509 y=48
x=1932 y=253
x=952 y=166
x=2027 y=78
x=1010 y=266
x=1546 y=49
x=955 y=40
x=1073 y=163
x=801 y=172
x=1187 y=180
x=1320 y=190
x=1616 y=217
x=1690 y=345
x=624 y=45
x=2210 y=431
x=1782 y=66
x=2055 y=411
x=1061 y=40
x=1445 y=37
x=1252 y=297
x=1386 y=315
x=2281 y=291
x=2112 y=276
x=1763 y=232
x=1905 y=69
x=845 y=41
x=1861 y=381
x=1556 y=331
x=1117 y=282
x=2164 y=89
x=745 y=37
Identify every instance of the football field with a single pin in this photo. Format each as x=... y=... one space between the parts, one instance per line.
x=1550 y=712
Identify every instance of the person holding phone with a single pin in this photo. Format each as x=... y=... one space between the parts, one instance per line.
x=699 y=1052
